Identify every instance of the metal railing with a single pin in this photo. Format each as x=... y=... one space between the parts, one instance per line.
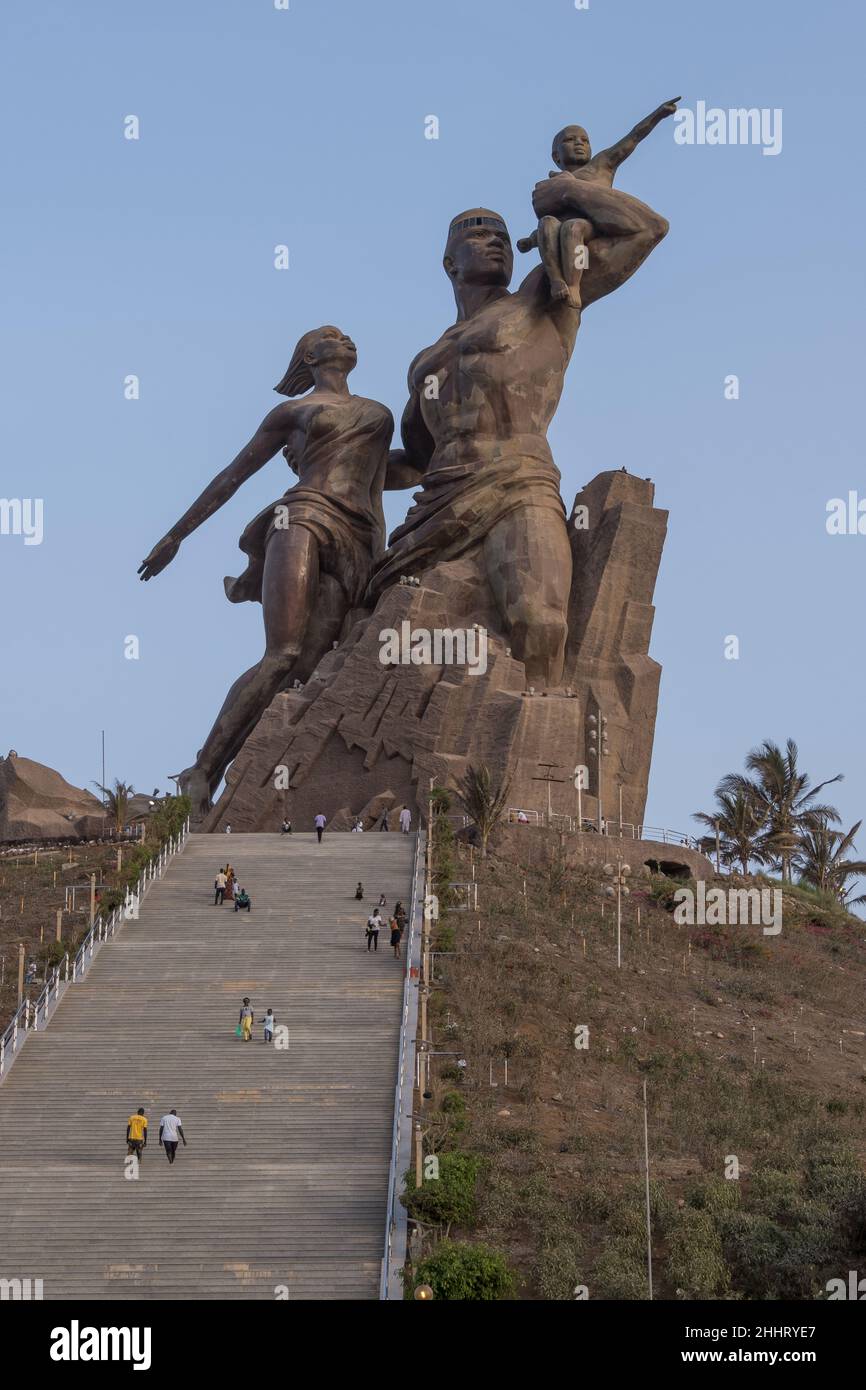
x=556 y=820
x=396 y=1222
x=31 y=1016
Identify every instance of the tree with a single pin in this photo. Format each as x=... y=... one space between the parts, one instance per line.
x=458 y=1271
x=821 y=863
x=483 y=801
x=740 y=825
x=449 y=1198
x=784 y=799
x=117 y=802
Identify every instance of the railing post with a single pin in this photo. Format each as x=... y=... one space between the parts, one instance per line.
x=15 y=1032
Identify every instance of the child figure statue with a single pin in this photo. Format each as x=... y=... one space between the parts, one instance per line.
x=586 y=202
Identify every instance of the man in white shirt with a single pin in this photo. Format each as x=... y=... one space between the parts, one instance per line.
x=374 y=922
x=405 y=820
x=170 y=1130
x=219 y=888
x=320 y=824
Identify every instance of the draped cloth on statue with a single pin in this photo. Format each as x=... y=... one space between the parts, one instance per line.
x=349 y=532
x=470 y=486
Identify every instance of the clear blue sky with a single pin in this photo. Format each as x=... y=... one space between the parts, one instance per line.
x=306 y=127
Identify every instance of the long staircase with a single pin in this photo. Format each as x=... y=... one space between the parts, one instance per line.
x=282 y=1189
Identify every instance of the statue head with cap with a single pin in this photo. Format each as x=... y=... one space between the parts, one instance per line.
x=478 y=250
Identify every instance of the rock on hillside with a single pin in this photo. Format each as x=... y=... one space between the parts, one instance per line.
x=36 y=803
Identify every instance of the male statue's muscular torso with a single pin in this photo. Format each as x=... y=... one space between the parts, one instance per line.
x=500 y=375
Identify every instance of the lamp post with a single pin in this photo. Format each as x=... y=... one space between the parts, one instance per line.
x=578 y=784
x=598 y=749
x=619 y=876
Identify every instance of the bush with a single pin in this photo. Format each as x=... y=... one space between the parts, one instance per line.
x=558 y=1269
x=457 y=1271
x=453 y=1103
x=621 y=1270
x=695 y=1260
x=450 y=1197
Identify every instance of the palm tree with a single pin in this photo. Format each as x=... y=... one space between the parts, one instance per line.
x=783 y=798
x=740 y=825
x=821 y=862
x=117 y=802
x=483 y=802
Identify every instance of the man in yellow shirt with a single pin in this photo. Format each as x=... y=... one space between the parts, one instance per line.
x=136 y=1133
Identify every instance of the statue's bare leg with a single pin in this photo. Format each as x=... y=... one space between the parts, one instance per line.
x=612 y=214
x=574 y=254
x=548 y=246
x=289 y=586
x=324 y=627
x=528 y=560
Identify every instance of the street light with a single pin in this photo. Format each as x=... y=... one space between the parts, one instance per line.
x=598 y=750
x=423 y=1293
x=619 y=876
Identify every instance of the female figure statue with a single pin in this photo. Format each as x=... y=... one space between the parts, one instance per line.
x=310 y=555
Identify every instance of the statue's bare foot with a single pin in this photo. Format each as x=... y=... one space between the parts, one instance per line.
x=194 y=784
x=559 y=290
x=525 y=243
x=574 y=298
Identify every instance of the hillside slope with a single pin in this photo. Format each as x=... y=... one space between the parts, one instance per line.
x=753 y=1050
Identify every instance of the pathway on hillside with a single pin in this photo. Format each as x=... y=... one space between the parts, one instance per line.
x=285 y=1178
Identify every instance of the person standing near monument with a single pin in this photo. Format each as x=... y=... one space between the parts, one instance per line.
x=396 y=935
x=246 y=1019
x=136 y=1132
x=310 y=554
x=405 y=820
x=374 y=926
x=320 y=824
x=170 y=1131
x=219 y=885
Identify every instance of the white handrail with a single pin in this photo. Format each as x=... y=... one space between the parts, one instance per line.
x=103 y=929
x=395 y=1214
x=560 y=820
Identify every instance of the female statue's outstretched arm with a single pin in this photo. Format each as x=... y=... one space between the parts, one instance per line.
x=267 y=441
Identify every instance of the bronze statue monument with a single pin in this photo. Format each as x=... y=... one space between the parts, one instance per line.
x=311 y=553
x=487 y=536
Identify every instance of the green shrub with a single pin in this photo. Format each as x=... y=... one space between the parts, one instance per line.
x=558 y=1268
x=450 y=1197
x=453 y=1103
x=457 y=1271
x=621 y=1270
x=695 y=1261
x=714 y=1195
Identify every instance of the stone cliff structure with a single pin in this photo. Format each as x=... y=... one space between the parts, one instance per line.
x=362 y=737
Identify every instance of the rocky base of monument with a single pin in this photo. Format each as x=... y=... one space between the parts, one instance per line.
x=370 y=728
